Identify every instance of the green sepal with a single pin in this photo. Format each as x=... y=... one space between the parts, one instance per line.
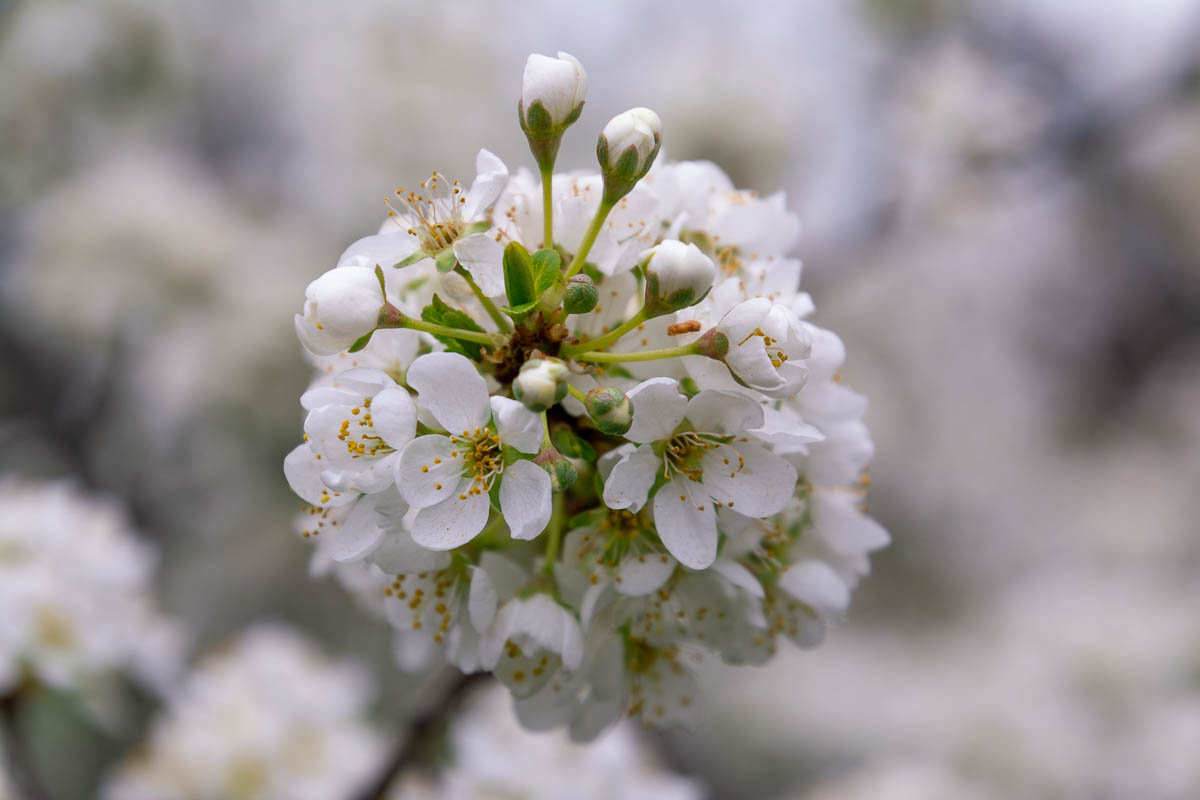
x=518 y=276
x=446 y=260
x=572 y=446
x=420 y=255
x=439 y=313
x=361 y=341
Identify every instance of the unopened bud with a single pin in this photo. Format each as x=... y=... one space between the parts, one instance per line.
x=560 y=469
x=626 y=149
x=610 y=409
x=678 y=275
x=340 y=307
x=552 y=94
x=581 y=295
x=541 y=383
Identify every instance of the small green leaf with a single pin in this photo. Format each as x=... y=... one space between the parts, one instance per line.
x=439 y=313
x=547 y=268
x=518 y=276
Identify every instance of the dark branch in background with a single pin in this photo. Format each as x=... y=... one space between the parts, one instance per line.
x=414 y=746
x=17 y=761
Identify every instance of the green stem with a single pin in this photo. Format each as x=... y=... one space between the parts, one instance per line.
x=555 y=530
x=548 y=205
x=642 y=355
x=443 y=330
x=501 y=321
x=601 y=342
x=589 y=238
x=577 y=393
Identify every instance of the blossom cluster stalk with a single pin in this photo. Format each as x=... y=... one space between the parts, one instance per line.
x=578 y=432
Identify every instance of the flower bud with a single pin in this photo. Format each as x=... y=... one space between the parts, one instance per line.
x=340 y=307
x=552 y=93
x=581 y=295
x=541 y=383
x=560 y=469
x=610 y=409
x=626 y=149
x=678 y=275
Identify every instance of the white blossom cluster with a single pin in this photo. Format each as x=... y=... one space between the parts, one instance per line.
x=575 y=429
x=492 y=756
x=75 y=592
x=268 y=718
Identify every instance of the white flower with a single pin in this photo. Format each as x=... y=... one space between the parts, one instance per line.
x=559 y=84
x=268 y=717
x=530 y=639
x=345 y=526
x=494 y=756
x=443 y=221
x=705 y=463
x=75 y=592
x=638 y=129
x=358 y=424
x=767 y=345
x=340 y=307
x=678 y=275
x=449 y=477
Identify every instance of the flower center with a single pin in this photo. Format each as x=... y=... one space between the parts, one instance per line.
x=777 y=356
x=358 y=432
x=685 y=451
x=434 y=212
x=482 y=457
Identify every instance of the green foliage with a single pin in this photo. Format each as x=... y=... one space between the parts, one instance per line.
x=439 y=313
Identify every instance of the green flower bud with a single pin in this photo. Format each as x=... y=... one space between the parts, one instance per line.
x=541 y=383
x=560 y=469
x=678 y=275
x=581 y=295
x=610 y=409
x=627 y=147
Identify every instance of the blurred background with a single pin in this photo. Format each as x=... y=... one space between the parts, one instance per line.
x=1001 y=202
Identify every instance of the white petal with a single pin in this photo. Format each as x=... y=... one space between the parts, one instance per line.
x=837 y=519
x=687 y=526
x=724 y=412
x=815 y=584
x=398 y=554
x=642 y=574
x=426 y=473
x=739 y=576
x=525 y=499
x=394 y=416
x=482 y=256
x=755 y=482
x=630 y=480
x=382 y=249
x=453 y=522
x=490 y=177
x=658 y=408
x=354 y=536
x=303 y=473
x=517 y=425
x=450 y=386
x=481 y=600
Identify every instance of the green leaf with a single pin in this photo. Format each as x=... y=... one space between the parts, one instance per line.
x=547 y=269
x=439 y=313
x=518 y=276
